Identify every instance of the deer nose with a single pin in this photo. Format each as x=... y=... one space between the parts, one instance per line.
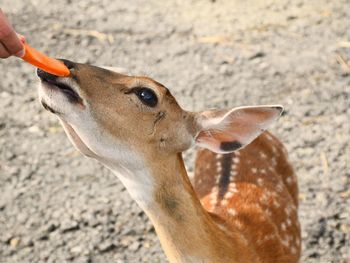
x=45 y=75
x=48 y=76
x=69 y=64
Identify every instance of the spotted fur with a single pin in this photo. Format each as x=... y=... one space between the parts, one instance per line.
x=260 y=198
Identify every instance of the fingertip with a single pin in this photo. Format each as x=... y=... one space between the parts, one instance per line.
x=21 y=38
x=20 y=53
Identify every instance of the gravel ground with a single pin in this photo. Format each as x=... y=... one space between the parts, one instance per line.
x=57 y=206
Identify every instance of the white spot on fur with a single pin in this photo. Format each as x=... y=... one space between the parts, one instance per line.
x=266 y=238
x=232 y=188
x=279 y=187
x=276 y=203
x=263 y=155
x=228 y=195
x=264 y=199
x=222 y=227
x=285 y=242
x=274 y=150
x=269 y=137
x=213 y=196
x=232 y=212
x=218 y=167
x=239 y=224
x=283 y=227
x=224 y=202
x=232 y=175
x=273 y=194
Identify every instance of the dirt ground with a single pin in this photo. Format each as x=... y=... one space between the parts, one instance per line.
x=57 y=206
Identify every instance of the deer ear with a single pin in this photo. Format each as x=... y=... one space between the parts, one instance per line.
x=224 y=131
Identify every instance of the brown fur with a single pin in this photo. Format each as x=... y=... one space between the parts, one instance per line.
x=189 y=226
x=184 y=227
x=252 y=218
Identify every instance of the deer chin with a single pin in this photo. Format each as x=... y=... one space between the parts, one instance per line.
x=77 y=141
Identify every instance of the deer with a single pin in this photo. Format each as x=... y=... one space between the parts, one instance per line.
x=241 y=204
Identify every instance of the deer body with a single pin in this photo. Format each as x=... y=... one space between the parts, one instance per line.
x=254 y=191
x=242 y=206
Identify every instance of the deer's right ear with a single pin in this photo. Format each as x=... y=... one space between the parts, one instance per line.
x=224 y=131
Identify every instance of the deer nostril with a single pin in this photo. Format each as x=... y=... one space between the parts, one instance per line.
x=69 y=64
x=45 y=75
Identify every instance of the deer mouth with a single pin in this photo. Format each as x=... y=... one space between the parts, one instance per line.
x=67 y=90
x=52 y=82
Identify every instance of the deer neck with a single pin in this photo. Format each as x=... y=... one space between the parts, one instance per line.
x=186 y=231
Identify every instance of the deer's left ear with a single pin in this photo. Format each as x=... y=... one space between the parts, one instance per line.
x=224 y=131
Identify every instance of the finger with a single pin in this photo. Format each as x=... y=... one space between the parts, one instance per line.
x=3 y=52
x=8 y=36
x=21 y=38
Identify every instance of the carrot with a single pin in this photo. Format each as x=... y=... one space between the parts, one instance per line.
x=44 y=62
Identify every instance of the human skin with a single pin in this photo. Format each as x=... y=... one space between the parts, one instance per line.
x=11 y=43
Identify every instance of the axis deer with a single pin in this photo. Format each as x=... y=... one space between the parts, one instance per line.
x=242 y=206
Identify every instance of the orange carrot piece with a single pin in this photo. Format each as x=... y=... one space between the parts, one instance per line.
x=44 y=62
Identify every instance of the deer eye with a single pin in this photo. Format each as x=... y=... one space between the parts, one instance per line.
x=147 y=96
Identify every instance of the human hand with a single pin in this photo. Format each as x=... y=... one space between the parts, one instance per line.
x=10 y=42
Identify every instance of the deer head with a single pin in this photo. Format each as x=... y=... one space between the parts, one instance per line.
x=105 y=112
x=120 y=119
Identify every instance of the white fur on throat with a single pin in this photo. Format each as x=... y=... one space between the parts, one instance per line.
x=138 y=182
